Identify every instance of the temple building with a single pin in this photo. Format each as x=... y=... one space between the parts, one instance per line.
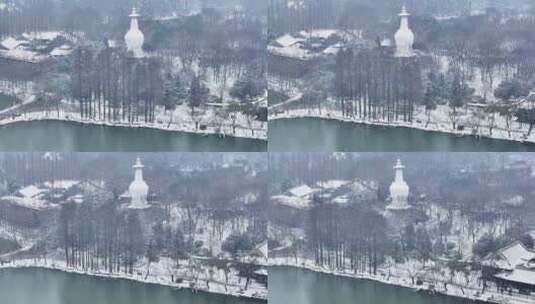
x=404 y=36
x=134 y=38
x=512 y=267
x=399 y=190
x=138 y=191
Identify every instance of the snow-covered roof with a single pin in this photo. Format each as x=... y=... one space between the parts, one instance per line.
x=23 y=48
x=23 y=55
x=50 y=35
x=517 y=254
x=27 y=202
x=11 y=43
x=386 y=42
x=332 y=50
x=293 y=46
x=292 y=201
x=52 y=156
x=63 y=50
x=332 y=191
x=512 y=256
x=519 y=275
x=287 y=40
x=342 y=200
x=333 y=184
x=293 y=51
x=302 y=191
x=296 y=3
x=516 y=200
x=78 y=198
x=30 y=191
x=262 y=249
x=360 y=186
x=262 y=271
x=61 y=184
x=113 y=43
x=319 y=33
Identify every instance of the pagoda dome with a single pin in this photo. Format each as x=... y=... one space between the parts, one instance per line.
x=404 y=36
x=399 y=190
x=134 y=38
x=138 y=190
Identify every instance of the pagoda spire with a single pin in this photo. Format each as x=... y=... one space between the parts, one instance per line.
x=404 y=36
x=138 y=190
x=134 y=38
x=399 y=190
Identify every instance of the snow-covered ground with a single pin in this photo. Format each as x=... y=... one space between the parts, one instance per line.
x=177 y=124
x=464 y=231
x=195 y=272
x=215 y=120
x=195 y=276
x=459 y=285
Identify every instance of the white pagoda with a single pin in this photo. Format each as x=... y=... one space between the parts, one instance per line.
x=399 y=190
x=134 y=38
x=138 y=190
x=404 y=36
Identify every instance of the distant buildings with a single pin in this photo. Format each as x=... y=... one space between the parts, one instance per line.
x=307 y=45
x=340 y=192
x=26 y=56
x=293 y=55
x=38 y=204
x=291 y=207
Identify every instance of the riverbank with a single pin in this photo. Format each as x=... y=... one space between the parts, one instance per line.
x=439 y=123
x=395 y=277
x=156 y=275
x=324 y=135
x=223 y=130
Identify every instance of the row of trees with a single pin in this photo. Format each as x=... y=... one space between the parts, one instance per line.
x=102 y=237
x=110 y=85
x=337 y=234
x=371 y=84
x=17 y=16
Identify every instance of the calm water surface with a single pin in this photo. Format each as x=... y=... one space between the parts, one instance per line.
x=321 y=135
x=71 y=136
x=291 y=285
x=39 y=286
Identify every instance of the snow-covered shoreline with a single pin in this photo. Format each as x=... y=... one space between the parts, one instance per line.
x=155 y=280
x=363 y=277
x=498 y=134
x=184 y=128
x=403 y=282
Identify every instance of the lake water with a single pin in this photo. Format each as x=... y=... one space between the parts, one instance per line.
x=40 y=286
x=322 y=135
x=296 y=286
x=70 y=136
